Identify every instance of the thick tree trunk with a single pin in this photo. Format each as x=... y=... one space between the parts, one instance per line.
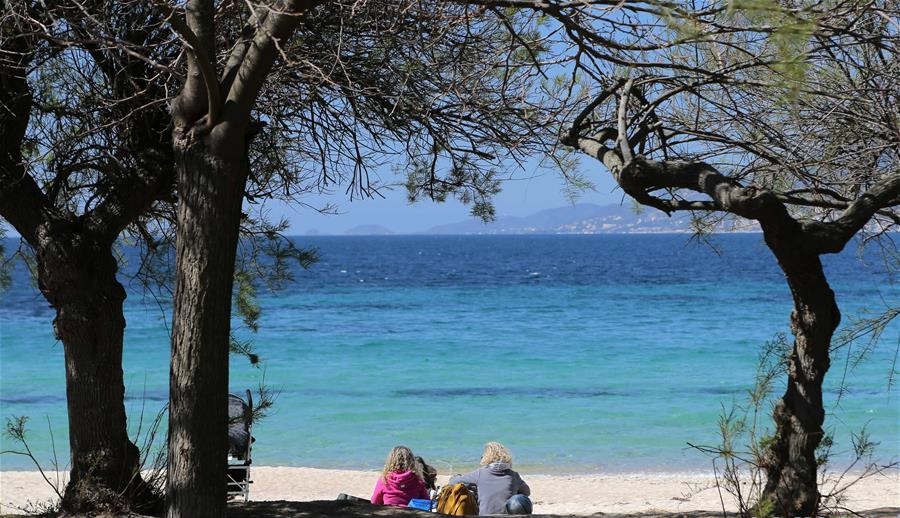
x=790 y=464
x=211 y=187
x=78 y=278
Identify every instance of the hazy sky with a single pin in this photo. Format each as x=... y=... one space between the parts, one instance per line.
x=529 y=193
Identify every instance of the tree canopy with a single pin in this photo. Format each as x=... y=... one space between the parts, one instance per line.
x=161 y=119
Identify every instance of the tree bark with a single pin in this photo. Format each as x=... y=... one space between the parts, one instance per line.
x=210 y=143
x=211 y=182
x=790 y=464
x=77 y=275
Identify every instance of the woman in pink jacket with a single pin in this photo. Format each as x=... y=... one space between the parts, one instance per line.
x=399 y=482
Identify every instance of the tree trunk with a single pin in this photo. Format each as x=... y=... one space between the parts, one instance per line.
x=211 y=187
x=790 y=464
x=78 y=278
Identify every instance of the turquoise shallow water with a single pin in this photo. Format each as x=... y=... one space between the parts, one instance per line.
x=581 y=353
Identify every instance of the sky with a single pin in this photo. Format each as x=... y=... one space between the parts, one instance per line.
x=530 y=192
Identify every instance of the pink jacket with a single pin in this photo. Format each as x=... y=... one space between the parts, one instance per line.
x=399 y=489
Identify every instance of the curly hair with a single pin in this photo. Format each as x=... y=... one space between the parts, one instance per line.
x=400 y=459
x=495 y=452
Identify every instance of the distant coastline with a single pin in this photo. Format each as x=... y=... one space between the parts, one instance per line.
x=579 y=219
x=354 y=232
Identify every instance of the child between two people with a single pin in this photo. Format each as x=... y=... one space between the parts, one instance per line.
x=499 y=489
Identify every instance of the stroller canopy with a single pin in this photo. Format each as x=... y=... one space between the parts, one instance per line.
x=239 y=419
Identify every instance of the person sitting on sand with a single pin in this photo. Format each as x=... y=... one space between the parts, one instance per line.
x=399 y=481
x=500 y=489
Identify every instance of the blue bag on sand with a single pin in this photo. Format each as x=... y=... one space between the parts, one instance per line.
x=420 y=503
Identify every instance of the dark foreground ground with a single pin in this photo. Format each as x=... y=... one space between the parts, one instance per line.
x=347 y=509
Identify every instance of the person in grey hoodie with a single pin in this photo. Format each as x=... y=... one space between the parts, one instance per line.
x=497 y=482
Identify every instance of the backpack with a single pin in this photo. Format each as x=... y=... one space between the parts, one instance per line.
x=457 y=500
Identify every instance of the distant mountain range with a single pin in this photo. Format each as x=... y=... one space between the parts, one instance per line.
x=583 y=218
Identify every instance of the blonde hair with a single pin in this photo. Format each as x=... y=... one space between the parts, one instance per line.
x=400 y=459
x=495 y=452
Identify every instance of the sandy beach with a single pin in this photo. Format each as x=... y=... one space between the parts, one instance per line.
x=552 y=494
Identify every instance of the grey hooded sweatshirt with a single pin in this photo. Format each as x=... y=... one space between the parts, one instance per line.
x=496 y=483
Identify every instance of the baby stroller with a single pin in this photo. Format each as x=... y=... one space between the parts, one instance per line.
x=240 y=424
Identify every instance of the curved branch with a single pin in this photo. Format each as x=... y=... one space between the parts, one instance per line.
x=833 y=236
x=132 y=197
x=239 y=50
x=640 y=176
x=277 y=27
x=22 y=203
x=202 y=60
x=579 y=123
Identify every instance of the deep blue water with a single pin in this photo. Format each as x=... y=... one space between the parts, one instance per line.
x=581 y=353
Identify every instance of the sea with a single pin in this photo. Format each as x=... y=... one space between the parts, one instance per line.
x=581 y=353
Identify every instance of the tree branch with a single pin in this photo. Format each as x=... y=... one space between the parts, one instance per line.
x=833 y=236
x=22 y=203
x=640 y=177
x=622 y=140
x=133 y=196
x=198 y=14
x=579 y=123
x=240 y=48
x=277 y=27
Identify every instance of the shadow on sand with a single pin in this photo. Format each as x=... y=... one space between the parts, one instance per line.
x=349 y=509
